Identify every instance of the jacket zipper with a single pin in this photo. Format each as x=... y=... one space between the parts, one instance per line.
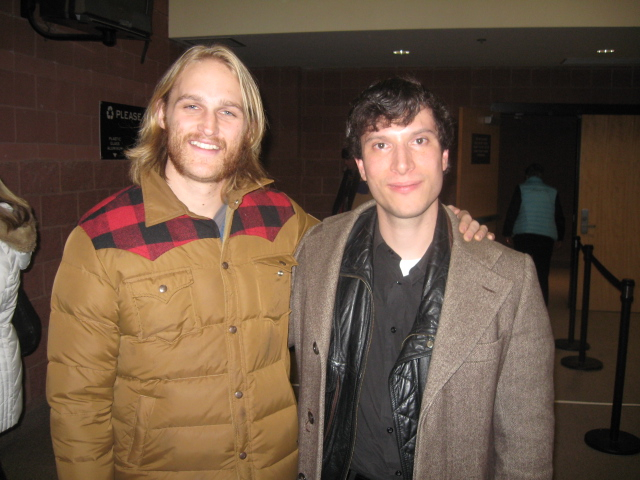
x=334 y=402
x=366 y=356
x=393 y=407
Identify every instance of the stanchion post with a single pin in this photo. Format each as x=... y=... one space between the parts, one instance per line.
x=581 y=362
x=570 y=342
x=586 y=294
x=621 y=363
x=613 y=440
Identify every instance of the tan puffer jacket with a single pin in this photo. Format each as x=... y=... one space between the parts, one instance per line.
x=175 y=367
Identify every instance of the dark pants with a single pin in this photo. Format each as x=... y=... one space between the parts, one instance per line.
x=540 y=248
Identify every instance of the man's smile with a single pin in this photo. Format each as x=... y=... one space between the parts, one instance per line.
x=404 y=187
x=205 y=146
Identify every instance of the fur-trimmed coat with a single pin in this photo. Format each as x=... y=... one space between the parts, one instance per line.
x=15 y=254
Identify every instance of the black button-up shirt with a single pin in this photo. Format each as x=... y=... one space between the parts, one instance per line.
x=396 y=300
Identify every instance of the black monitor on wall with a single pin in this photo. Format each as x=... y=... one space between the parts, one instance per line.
x=128 y=18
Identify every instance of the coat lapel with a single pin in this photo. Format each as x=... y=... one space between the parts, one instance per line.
x=473 y=296
x=322 y=301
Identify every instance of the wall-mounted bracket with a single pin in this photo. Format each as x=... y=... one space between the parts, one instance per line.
x=107 y=34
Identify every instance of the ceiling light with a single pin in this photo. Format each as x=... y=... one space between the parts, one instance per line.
x=606 y=50
x=401 y=52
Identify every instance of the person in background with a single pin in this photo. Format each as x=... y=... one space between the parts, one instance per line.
x=348 y=186
x=535 y=222
x=353 y=191
x=420 y=356
x=17 y=243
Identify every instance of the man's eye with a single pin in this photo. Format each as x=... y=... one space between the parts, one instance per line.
x=420 y=141
x=229 y=113
x=379 y=145
x=190 y=107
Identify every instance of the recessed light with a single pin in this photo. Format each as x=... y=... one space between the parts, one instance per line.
x=606 y=50
x=401 y=52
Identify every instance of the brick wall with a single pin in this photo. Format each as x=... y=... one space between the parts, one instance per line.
x=49 y=147
x=312 y=177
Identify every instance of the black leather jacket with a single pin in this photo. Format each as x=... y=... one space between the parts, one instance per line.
x=349 y=348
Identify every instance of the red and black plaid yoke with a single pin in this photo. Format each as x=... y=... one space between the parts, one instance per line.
x=119 y=222
x=262 y=213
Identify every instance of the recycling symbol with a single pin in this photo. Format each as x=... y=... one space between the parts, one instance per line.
x=110 y=112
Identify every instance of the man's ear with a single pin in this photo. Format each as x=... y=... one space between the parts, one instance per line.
x=360 y=165
x=445 y=160
x=161 y=112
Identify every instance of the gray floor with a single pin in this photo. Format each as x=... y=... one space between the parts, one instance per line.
x=26 y=452
x=583 y=403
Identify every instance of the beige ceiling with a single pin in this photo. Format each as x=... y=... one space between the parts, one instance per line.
x=437 y=33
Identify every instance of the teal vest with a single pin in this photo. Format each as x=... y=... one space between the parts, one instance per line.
x=537 y=209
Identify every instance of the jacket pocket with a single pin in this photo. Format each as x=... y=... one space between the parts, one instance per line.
x=140 y=428
x=163 y=303
x=485 y=352
x=273 y=277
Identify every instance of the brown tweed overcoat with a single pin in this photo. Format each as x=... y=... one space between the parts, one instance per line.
x=487 y=409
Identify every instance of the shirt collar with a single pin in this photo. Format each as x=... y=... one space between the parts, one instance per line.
x=380 y=247
x=377 y=237
x=162 y=205
x=420 y=269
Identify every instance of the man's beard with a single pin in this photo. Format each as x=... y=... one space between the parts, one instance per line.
x=233 y=157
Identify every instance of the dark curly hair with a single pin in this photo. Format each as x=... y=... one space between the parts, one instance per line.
x=396 y=100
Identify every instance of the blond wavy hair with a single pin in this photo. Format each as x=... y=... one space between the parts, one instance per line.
x=150 y=152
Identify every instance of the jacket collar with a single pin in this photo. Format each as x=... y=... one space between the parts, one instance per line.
x=534 y=181
x=357 y=258
x=433 y=290
x=162 y=205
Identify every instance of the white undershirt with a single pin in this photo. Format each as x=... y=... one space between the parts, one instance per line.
x=407 y=265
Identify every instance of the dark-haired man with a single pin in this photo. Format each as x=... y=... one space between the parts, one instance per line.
x=420 y=356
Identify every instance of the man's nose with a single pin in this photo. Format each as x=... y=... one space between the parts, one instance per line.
x=209 y=124
x=402 y=160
